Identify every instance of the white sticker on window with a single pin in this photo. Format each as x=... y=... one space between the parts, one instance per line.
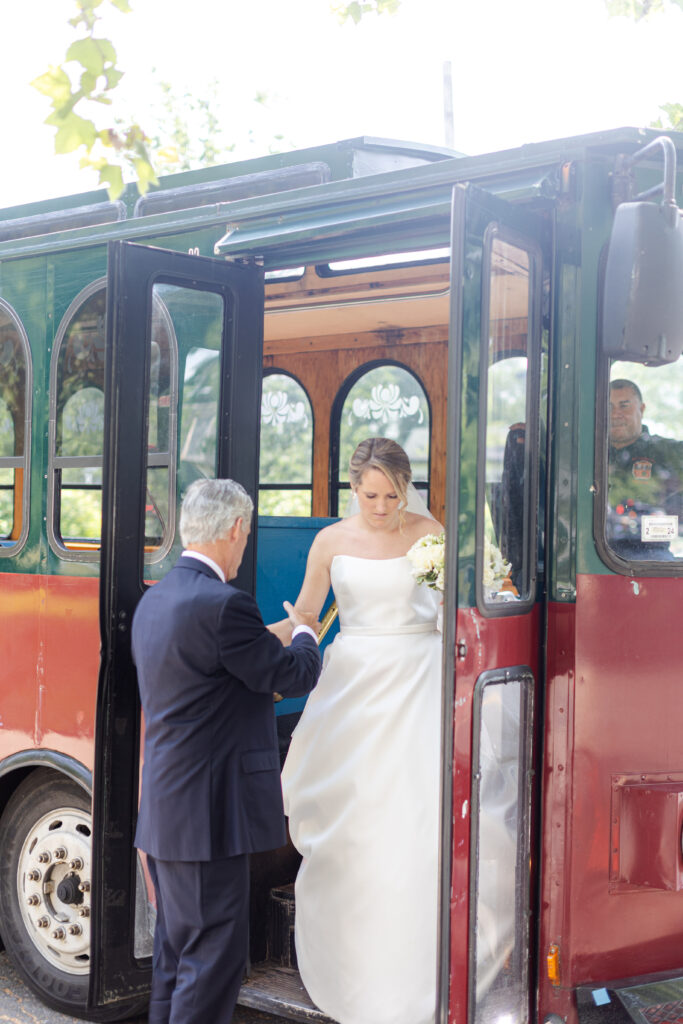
x=658 y=528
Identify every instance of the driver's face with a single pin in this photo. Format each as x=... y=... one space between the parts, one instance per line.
x=625 y=417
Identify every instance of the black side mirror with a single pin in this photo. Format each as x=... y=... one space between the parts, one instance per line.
x=642 y=308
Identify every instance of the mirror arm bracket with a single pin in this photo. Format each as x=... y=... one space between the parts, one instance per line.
x=622 y=187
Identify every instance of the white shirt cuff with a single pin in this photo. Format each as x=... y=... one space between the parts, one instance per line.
x=304 y=629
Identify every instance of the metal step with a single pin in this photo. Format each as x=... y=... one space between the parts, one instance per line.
x=280 y=991
x=657 y=999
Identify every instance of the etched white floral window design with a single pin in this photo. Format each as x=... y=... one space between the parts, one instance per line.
x=277 y=409
x=385 y=404
x=286 y=460
x=386 y=400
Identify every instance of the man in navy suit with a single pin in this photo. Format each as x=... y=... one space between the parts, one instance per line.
x=207 y=670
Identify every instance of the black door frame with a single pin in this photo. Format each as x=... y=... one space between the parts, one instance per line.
x=117 y=977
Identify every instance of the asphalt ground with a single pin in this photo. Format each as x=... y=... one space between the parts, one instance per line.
x=18 y=1005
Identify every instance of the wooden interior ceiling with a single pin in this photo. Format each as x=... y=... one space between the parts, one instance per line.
x=393 y=300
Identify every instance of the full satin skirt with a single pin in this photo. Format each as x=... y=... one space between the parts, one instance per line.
x=361 y=787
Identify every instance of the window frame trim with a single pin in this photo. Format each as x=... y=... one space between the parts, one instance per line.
x=613 y=561
x=21 y=461
x=271 y=371
x=55 y=463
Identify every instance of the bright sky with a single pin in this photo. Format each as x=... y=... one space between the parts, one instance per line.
x=523 y=71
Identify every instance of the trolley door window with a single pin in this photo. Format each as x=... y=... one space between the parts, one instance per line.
x=197 y=318
x=286 y=459
x=501 y=847
x=644 y=465
x=15 y=420
x=77 y=423
x=385 y=400
x=506 y=550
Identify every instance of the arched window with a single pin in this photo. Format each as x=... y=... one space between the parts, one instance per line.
x=77 y=425
x=15 y=422
x=286 y=464
x=383 y=400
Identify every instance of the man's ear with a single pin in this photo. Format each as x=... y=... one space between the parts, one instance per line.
x=236 y=529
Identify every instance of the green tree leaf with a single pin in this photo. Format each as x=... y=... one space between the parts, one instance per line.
x=55 y=83
x=357 y=9
x=74 y=132
x=145 y=173
x=88 y=53
x=112 y=175
x=674 y=117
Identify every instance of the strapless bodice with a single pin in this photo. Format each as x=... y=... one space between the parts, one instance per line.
x=380 y=596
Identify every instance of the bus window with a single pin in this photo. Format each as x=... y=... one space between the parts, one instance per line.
x=15 y=419
x=385 y=401
x=201 y=384
x=501 y=813
x=77 y=419
x=286 y=459
x=644 y=515
x=505 y=506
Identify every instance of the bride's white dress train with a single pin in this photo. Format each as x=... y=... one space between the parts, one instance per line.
x=361 y=787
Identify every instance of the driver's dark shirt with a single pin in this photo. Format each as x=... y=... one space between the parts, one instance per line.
x=645 y=478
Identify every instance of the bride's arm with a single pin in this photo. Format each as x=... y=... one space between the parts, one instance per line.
x=314 y=590
x=316 y=585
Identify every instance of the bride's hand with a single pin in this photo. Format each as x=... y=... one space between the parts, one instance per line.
x=299 y=618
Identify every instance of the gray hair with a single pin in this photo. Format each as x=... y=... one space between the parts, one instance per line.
x=211 y=508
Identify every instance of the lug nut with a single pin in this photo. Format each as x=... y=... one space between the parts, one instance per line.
x=33 y=901
x=59 y=933
x=44 y=857
x=43 y=922
x=85 y=886
x=60 y=853
x=76 y=864
x=75 y=929
x=34 y=876
x=84 y=911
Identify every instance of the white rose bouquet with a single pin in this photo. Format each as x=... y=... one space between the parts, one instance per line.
x=496 y=569
x=426 y=559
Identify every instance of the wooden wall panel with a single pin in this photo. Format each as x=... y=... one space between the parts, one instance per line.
x=322 y=371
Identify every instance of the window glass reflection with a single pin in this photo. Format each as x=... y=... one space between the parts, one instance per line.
x=502 y=808
x=199 y=417
x=506 y=512
x=644 y=520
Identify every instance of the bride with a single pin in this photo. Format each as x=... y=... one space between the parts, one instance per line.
x=361 y=780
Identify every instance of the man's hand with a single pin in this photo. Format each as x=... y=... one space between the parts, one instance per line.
x=299 y=618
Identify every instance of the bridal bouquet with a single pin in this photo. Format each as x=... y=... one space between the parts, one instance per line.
x=495 y=567
x=426 y=559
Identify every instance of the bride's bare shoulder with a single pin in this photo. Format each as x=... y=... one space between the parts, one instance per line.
x=419 y=526
x=331 y=539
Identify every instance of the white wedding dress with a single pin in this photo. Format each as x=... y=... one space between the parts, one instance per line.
x=361 y=788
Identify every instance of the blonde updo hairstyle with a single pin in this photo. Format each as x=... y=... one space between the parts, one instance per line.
x=389 y=458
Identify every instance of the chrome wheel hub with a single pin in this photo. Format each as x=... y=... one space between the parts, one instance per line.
x=53 y=888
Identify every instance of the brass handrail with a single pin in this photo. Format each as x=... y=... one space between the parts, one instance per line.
x=327 y=621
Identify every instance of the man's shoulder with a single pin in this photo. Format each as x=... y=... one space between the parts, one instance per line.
x=663 y=447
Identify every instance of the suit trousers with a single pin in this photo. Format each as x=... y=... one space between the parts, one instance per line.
x=200 y=941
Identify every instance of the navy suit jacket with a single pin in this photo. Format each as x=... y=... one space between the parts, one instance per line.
x=207 y=670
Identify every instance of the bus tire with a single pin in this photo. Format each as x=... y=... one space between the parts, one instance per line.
x=45 y=844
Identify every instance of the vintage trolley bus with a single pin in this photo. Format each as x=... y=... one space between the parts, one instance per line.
x=256 y=321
